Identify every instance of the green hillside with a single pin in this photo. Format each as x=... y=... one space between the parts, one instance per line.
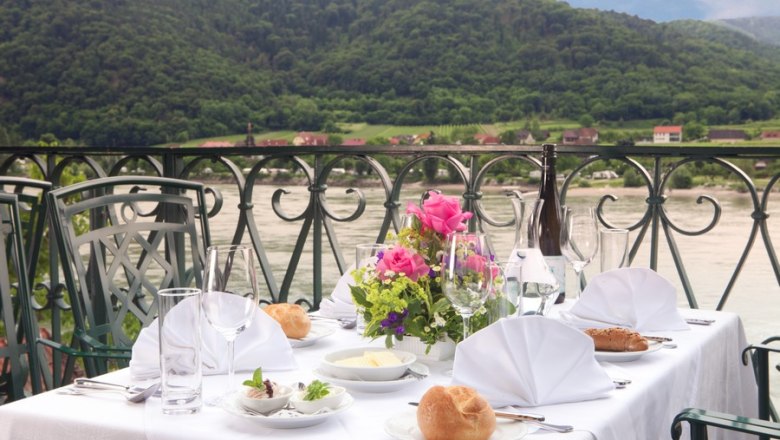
x=145 y=72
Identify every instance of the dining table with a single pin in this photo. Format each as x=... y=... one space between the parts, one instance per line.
x=701 y=367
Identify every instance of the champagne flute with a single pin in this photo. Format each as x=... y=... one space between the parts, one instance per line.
x=579 y=239
x=465 y=273
x=230 y=297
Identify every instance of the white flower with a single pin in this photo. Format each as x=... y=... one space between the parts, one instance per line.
x=438 y=320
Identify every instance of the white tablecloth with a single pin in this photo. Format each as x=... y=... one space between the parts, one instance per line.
x=704 y=371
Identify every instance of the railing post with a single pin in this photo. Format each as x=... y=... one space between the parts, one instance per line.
x=655 y=210
x=315 y=194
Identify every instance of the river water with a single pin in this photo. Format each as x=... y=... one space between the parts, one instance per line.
x=710 y=259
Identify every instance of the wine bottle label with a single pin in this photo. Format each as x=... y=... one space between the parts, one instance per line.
x=557 y=264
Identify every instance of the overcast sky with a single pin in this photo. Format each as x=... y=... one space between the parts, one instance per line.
x=667 y=10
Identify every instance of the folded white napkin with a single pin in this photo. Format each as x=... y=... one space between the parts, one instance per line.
x=262 y=344
x=340 y=304
x=530 y=361
x=635 y=298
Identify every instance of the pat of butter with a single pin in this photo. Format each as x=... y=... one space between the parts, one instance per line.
x=371 y=359
x=359 y=361
x=382 y=358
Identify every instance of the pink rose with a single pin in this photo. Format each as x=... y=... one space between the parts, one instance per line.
x=400 y=260
x=441 y=213
x=475 y=263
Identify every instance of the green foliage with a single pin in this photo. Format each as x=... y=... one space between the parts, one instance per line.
x=631 y=179
x=257 y=380
x=155 y=71
x=681 y=179
x=316 y=390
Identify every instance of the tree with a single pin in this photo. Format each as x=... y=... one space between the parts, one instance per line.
x=693 y=131
x=586 y=121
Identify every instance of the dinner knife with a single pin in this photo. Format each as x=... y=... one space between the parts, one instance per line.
x=512 y=416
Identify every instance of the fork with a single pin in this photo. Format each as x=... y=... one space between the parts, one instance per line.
x=545 y=425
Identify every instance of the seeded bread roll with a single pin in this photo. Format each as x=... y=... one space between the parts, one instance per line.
x=617 y=339
x=293 y=319
x=455 y=413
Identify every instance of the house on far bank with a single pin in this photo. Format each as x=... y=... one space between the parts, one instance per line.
x=730 y=136
x=273 y=143
x=217 y=144
x=525 y=137
x=664 y=134
x=306 y=138
x=770 y=135
x=403 y=139
x=581 y=136
x=355 y=142
x=487 y=139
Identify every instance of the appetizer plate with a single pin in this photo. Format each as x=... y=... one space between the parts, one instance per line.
x=286 y=418
x=403 y=426
x=319 y=330
x=627 y=356
x=374 y=386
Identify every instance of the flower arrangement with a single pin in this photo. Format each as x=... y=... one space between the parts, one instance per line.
x=401 y=295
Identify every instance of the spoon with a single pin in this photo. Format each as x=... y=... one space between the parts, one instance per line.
x=84 y=386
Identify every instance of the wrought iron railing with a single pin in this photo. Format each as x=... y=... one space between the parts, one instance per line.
x=315 y=251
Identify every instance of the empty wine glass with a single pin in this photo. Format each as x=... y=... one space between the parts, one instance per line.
x=230 y=296
x=539 y=284
x=579 y=239
x=465 y=273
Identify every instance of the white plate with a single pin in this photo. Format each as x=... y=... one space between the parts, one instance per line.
x=627 y=356
x=403 y=426
x=374 y=386
x=285 y=419
x=318 y=331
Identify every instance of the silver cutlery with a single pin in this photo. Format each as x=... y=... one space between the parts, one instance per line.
x=87 y=386
x=697 y=321
x=545 y=425
x=520 y=417
x=345 y=323
x=621 y=383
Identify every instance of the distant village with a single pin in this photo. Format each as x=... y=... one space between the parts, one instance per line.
x=662 y=134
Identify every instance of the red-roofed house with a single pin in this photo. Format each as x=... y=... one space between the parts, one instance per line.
x=487 y=139
x=581 y=136
x=213 y=144
x=770 y=135
x=273 y=143
x=727 y=135
x=306 y=138
x=357 y=142
x=664 y=134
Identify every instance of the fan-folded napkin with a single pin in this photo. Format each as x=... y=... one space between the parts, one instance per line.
x=530 y=361
x=340 y=304
x=262 y=344
x=636 y=298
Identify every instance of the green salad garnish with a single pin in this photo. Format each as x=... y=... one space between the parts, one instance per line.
x=316 y=390
x=257 y=380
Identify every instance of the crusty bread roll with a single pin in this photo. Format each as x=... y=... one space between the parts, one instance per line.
x=294 y=320
x=455 y=413
x=617 y=339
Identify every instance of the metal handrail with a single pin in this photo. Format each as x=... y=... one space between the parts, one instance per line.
x=655 y=166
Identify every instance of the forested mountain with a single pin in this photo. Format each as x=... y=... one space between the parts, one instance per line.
x=139 y=72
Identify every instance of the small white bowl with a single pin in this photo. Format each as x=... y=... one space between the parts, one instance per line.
x=348 y=372
x=332 y=400
x=281 y=397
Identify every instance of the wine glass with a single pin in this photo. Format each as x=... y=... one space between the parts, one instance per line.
x=579 y=239
x=465 y=273
x=538 y=282
x=230 y=296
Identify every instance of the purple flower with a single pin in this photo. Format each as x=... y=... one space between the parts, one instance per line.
x=385 y=323
x=405 y=313
x=380 y=255
x=399 y=330
x=392 y=316
x=431 y=274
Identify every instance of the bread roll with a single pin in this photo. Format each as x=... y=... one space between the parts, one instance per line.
x=617 y=339
x=293 y=319
x=455 y=413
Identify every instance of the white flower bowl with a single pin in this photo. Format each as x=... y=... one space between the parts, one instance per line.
x=332 y=400
x=281 y=397
x=348 y=372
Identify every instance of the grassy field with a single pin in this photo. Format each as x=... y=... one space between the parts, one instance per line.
x=556 y=127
